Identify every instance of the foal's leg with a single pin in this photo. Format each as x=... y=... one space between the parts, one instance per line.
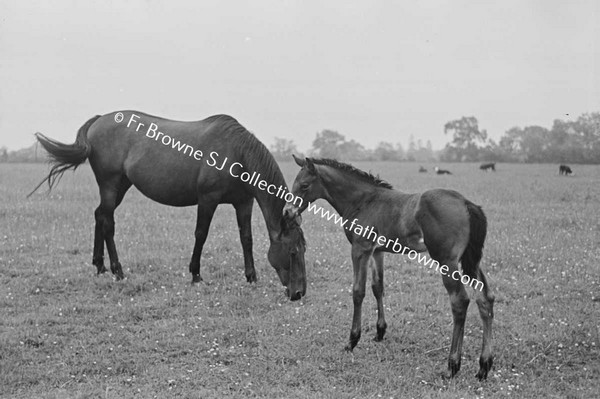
x=485 y=302
x=377 y=286
x=243 y=212
x=459 y=301
x=206 y=210
x=361 y=255
x=111 y=195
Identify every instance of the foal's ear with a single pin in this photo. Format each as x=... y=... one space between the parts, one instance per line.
x=299 y=161
x=311 y=166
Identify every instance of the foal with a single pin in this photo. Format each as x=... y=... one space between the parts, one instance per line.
x=443 y=222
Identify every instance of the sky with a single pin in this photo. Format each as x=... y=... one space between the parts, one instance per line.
x=371 y=70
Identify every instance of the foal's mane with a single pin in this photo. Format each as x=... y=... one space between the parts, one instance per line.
x=361 y=174
x=254 y=155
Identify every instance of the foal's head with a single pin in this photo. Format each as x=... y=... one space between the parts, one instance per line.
x=307 y=186
x=286 y=255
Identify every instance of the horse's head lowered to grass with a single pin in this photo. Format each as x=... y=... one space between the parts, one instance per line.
x=286 y=255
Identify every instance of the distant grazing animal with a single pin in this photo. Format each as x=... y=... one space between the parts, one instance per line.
x=442 y=171
x=488 y=166
x=443 y=222
x=120 y=157
x=564 y=170
x=422 y=170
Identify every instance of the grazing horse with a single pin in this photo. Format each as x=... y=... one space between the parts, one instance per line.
x=200 y=163
x=488 y=166
x=564 y=170
x=443 y=222
x=442 y=171
x=422 y=169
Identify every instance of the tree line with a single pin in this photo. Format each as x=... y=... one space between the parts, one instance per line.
x=332 y=144
x=575 y=141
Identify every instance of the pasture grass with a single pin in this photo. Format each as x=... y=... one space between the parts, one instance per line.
x=65 y=333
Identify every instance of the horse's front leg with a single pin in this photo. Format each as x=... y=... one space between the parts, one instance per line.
x=243 y=212
x=361 y=255
x=206 y=210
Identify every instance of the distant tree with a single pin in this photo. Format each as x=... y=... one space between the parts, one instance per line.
x=412 y=149
x=386 y=152
x=327 y=144
x=283 y=149
x=467 y=139
x=400 y=151
x=354 y=151
x=3 y=154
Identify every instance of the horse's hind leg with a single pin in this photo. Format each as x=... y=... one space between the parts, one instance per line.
x=111 y=195
x=459 y=302
x=243 y=212
x=98 y=257
x=377 y=286
x=206 y=210
x=485 y=302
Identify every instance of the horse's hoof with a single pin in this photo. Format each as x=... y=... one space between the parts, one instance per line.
x=453 y=368
x=196 y=279
x=484 y=367
x=380 y=333
x=251 y=278
x=348 y=348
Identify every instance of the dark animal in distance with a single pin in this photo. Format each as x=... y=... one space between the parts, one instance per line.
x=564 y=170
x=442 y=171
x=488 y=166
x=422 y=170
x=443 y=222
x=120 y=157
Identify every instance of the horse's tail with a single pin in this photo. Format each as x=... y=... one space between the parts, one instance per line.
x=478 y=229
x=65 y=156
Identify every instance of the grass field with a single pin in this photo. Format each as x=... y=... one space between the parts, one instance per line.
x=65 y=333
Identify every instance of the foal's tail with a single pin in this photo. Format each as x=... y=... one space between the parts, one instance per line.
x=478 y=229
x=65 y=156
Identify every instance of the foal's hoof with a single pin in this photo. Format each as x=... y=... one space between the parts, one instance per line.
x=101 y=270
x=196 y=279
x=484 y=367
x=119 y=275
x=251 y=277
x=348 y=348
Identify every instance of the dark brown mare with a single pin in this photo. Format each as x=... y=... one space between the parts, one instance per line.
x=193 y=167
x=440 y=221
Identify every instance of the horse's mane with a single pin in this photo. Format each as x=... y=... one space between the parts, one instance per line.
x=254 y=154
x=361 y=174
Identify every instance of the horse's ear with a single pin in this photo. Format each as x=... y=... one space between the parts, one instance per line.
x=300 y=162
x=311 y=166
